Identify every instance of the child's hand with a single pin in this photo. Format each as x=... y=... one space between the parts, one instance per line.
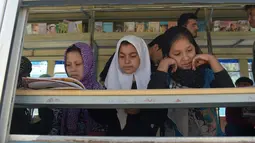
x=166 y=63
x=201 y=59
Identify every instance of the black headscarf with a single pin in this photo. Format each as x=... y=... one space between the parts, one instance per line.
x=104 y=73
x=25 y=69
x=185 y=77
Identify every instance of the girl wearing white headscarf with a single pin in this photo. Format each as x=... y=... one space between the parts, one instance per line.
x=119 y=77
x=129 y=69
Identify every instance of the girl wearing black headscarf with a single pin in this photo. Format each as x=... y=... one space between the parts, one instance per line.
x=184 y=66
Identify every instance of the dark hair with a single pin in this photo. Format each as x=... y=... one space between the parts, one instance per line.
x=73 y=48
x=25 y=66
x=158 y=40
x=247 y=7
x=103 y=74
x=124 y=43
x=24 y=70
x=175 y=33
x=182 y=21
x=244 y=79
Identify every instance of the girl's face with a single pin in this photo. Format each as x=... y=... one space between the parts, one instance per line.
x=129 y=60
x=74 y=65
x=183 y=52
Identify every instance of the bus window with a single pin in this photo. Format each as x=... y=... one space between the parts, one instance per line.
x=250 y=69
x=232 y=66
x=39 y=68
x=59 y=69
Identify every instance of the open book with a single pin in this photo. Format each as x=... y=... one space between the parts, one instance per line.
x=52 y=83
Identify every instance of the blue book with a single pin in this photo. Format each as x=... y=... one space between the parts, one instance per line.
x=108 y=27
x=201 y=26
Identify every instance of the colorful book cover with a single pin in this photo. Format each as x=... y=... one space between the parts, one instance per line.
x=108 y=27
x=216 y=26
x=62 y=27
x=233 y=26
x=129 y=26
x=146 y=26
x=172 y=24
x=29 y=29
x=225 y=26
x=201 y=26
x=140 y=27
x=51 y=29
x=118 y=27
x=39 y=28
x=153 y=27
x=243 y=25
x=98 y=26
x=79 y=26
x=74 y=27
x=71 y=26
x=163 y=26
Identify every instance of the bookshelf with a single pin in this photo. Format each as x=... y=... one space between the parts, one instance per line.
x=40 y=45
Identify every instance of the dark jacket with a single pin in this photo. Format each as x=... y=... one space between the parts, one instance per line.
x=145 y=123
x=159 y=80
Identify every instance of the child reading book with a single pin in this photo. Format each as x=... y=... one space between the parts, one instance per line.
x=79 y=64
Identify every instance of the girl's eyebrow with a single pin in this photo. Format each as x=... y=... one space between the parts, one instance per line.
x=133 y=53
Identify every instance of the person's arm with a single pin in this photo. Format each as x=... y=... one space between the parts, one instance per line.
x=201 y=59
x=221 y=80
x=158 y=80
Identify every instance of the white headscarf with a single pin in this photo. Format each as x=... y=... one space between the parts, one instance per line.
x=116 y=79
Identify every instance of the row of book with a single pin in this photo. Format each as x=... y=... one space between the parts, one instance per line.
x=79 y=27
x=62 y=27
x=133 y=26
x=228 y=26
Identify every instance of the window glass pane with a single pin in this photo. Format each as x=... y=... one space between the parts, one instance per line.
x=60 y=75
x=250 y=69
x=59 y=69
x=39 y=68
x=230 y=65
x=234 y=76
x=222 y=112
x=251 y=76
x=249 y=65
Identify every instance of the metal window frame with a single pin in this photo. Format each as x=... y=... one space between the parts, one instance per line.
x=61 y=139
x=33 y=3
x=11 y=39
